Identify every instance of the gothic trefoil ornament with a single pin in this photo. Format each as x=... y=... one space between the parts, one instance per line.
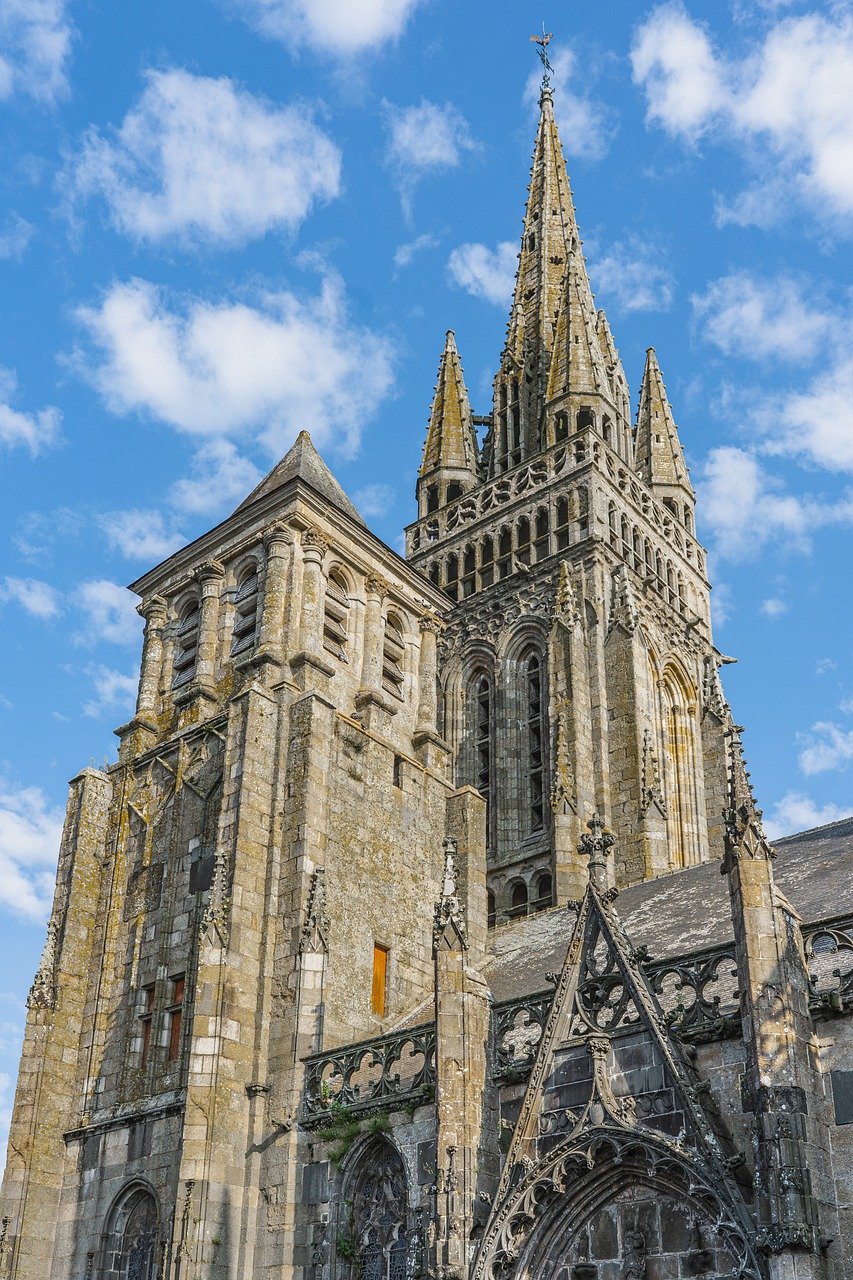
x=449 y=929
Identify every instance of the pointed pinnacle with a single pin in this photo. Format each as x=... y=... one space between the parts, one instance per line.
x=659 y=456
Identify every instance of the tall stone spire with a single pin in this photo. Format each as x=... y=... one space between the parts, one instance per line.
x=658 y=453
x=576 y=359
x=450 y=453
x=549 y=237
x=550 y=234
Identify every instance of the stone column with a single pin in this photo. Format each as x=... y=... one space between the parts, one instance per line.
x=371 y=704
x=430 y=749
x=310 y=668
x=782 y=1085
x=209 y=576
x=278 y=542
x=461 y=1035
x=153 y=610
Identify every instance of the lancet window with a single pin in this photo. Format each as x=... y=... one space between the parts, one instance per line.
x=480 y=715
x=131 y=1243
x=245 y=610
x=186 y=645
x=535 y=739
x=379 y=1207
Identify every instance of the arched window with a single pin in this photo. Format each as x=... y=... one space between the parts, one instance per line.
x=469 y=567
x=543 y=530
x=583 y=511
x=535 y=736
x=487 y=559
x=562 y=523
x=561 y=426
x=393 y=651
x=336 y=615
x=454 y=491
x=432 y=499
x=186 y=645
x=378 y=1215
x=523 y=540
x=491 y=910
x=245 y=610
x=611 y=522
x=452 y=584
x=544 y=891
x=131 y=1243
x=435 y=574
x=518 y=899
x=504 y=552
x=585 y=418
x=479 y=716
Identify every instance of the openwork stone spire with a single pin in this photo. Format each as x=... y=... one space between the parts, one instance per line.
x=550 y=234
x=658 y=453
x=451 y=440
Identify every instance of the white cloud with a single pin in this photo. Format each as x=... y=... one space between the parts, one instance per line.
x=221 y=477
x=340 y=27
x=35 y=597
x=816 y=422
x=110 y=613
x=15 y=235
x=741 y=507
x=752 y=317
x=220 y=369
x=826 y=746
x=38 y=531
x=824 y=665
x=485 y=273
x=203 y=160
x=846 y=705
x=586 y=125
x=787 y=101
x=374 y=499
x=633 y=277
x=673 y=60
x=773 y=607
x=32 y=431
x=112 y=691
x=406 y=252
x=798 y=812
x=30 y=831
x=422 y=140
x=35 y=45
x=141 y=534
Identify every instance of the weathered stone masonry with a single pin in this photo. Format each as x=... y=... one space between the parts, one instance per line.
x=396 y=944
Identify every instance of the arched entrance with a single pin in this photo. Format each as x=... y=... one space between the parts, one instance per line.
x=131 y=1245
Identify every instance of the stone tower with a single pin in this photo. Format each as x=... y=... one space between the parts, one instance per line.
x=335 y=985
x=579 y=644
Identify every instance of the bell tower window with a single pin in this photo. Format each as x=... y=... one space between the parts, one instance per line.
x=245 y=611
x=535 y=761
x=336 y=616
x=186 y=645
x=393 y=652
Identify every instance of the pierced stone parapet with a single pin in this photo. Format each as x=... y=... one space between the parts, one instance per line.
x=391 y=1071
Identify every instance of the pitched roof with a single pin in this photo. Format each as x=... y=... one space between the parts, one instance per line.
x=303 y=462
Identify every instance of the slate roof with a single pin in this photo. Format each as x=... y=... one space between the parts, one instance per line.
x=680 y=913
x=303 y=462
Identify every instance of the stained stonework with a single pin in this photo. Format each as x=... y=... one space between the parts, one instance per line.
x=395 y=943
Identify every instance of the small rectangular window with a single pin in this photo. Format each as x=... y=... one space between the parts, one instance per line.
x=146 y=1019
x=397 y=775
x=176 y=1009
x=380 y=980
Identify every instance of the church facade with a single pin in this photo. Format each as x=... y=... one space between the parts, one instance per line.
x=426 y=924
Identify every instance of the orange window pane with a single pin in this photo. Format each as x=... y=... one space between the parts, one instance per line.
x=380 y=979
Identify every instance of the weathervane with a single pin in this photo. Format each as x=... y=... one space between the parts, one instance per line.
x=543 y=41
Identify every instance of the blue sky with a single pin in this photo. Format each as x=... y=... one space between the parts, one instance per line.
x=226 y=220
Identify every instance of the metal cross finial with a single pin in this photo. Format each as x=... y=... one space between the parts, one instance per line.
x=543 y=41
